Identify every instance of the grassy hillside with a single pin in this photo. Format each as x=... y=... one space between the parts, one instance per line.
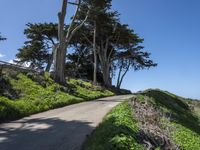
x=154 y=119
x=184 y=117
x=116 y=132
x=25 y=94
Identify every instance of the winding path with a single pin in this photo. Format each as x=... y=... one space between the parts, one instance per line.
x=60 y=129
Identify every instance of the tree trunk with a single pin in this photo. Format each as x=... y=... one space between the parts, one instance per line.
x=49 y=64
x=95 y=55
x=52 y=58
x=122 y=77
x=60 y=52
x=119 y=77
x=60 y=55
x=105 y=67
x=106 y=74
x=64 y=39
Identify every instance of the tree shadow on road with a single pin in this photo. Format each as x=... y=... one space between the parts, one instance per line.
x=43 y=133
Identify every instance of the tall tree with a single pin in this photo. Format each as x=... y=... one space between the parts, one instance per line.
x=39 y=47
x=64 y=38
x=95 y=54
x=134 y=59
x=102 y=23
x=108 y=37
x=99 y=8
x=115 y=37
x=113 y=43
x=91 y=29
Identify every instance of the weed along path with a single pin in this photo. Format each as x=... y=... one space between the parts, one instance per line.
x=60 y=129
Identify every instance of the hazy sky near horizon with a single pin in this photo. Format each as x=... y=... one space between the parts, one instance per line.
x=170 y=28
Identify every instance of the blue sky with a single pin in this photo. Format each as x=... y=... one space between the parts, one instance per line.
x=171 y=29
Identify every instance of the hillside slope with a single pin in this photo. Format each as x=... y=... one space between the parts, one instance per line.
x=154 y=119
x=22 y=94
x=179 y=115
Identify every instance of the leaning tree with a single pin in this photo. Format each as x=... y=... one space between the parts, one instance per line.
x=129 y=53
x=132 y=59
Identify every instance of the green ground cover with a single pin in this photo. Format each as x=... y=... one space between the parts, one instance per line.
x=25 y=94
x=119 y=128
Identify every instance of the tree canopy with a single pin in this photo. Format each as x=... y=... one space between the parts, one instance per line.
x=103 y=45
x=38 y=49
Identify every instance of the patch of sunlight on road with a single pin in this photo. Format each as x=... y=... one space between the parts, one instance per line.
x=36 y=126
x=2 y=139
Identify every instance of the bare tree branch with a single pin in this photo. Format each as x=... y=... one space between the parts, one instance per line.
x=61 y=16
x=72 y=3
x=122 y=77
x=79 y=26
x=73 y=20
x=113 y=47
x=90 y=42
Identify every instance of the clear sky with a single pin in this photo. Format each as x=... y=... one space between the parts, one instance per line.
x=171 y=29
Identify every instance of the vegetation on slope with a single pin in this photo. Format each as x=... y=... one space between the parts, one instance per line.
x=154 y=119
x=25 y=94
x=185 y=121
x=116 y=132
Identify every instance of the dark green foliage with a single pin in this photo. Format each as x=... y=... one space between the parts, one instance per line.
x=33 y=53
x=80 y=64
x=6 y=89
x=118 y=45
x=37 y=50
x=116 y=132
x=132 y=58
